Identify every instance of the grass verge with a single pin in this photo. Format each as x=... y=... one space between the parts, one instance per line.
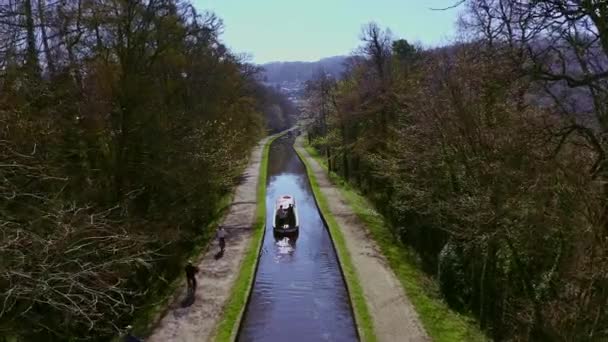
x=441 y=323
x=363 y=318
x=228 y=326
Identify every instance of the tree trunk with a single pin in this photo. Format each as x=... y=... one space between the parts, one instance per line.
x=32 y=54
x=485 y=285
x=356 y=170
x=45 y=43
x=344 y=153
x=345 y=165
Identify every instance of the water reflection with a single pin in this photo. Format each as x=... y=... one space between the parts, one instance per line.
x=291 y=238
x=299 y=293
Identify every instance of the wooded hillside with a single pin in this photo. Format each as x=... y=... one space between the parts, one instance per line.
x=122 y=126
x=483 y=163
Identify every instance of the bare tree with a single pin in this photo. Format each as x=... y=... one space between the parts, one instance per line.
x=319 y=92
x=564 y=46
x=42 y=17
x=377 y=46
x=32 y=52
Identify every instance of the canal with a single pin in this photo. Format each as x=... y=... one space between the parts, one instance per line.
x=299 y=293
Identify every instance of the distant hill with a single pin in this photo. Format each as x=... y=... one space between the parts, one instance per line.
x=279 y=72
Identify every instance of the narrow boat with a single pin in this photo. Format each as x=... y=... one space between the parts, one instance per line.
x=285 y=215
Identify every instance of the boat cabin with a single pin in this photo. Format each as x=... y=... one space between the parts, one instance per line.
x=286 y=215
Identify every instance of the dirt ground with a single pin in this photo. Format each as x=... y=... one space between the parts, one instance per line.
x=195 y=318
x=394 y=317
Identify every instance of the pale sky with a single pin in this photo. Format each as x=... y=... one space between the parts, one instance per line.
x=307 y=30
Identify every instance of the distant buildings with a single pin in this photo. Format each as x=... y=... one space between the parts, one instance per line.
x=295 y=90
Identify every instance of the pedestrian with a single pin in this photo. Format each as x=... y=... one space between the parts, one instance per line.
x=282 y=214
x=291 y=217
x=191 y=272
x=129 y=336
x=221 y=236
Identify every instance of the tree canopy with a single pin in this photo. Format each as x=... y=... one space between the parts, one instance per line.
x=487 y=158
x=122 y=126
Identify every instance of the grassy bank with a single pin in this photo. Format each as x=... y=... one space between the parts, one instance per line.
x=362 y=316
x=440 y=322
x=233 y=312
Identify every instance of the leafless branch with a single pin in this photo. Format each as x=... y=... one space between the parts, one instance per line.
x=457 y=4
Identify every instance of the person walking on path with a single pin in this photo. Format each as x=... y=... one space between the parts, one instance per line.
x=129 y=336
x=221 y=236
x=191 y=272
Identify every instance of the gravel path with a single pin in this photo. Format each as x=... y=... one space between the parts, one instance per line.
x=394 y=317
x=196 y=322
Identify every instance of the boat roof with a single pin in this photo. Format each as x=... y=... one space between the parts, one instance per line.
x=285 y=201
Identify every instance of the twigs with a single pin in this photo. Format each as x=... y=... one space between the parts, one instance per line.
x=86 y=285
x=69 y=259
x=457 y=4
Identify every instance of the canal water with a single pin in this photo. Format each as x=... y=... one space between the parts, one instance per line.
x=299 y=293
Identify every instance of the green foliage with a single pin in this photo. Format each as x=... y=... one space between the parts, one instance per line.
x=116 y=153
x=484 y=186
x=403 y=51
x=279 y=111
x=441 y=323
